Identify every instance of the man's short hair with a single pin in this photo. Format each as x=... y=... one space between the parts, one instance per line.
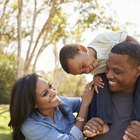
x=130 y=49
x=66 y=52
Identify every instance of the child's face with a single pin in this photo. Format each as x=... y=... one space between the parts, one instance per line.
x=82 y=63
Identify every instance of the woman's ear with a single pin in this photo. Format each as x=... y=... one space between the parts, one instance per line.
x=35 y=106
x=82 y=48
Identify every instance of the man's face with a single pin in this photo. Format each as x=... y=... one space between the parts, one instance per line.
x=82 y=63
x=121 y=73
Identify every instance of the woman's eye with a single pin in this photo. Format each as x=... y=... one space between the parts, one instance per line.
x=51 y=86
x=45 y=93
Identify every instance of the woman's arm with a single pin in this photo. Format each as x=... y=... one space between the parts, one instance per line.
x=86 y=100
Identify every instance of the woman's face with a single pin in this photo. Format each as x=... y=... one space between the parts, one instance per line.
x=46 y=96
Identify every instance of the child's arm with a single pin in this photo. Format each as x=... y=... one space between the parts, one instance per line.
x=98 y=83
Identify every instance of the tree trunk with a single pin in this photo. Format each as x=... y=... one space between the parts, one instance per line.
x=19 y=38
x=45 y=28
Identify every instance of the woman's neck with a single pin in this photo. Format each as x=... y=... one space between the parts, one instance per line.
x=48 y=112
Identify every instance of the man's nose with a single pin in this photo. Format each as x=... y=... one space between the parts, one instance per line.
x=109 y=75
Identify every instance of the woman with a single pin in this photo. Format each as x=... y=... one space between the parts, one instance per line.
x=37 y=113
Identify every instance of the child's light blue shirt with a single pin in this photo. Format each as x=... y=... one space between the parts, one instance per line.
x=38 y=127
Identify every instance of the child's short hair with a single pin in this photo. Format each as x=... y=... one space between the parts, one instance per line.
x=66 y=52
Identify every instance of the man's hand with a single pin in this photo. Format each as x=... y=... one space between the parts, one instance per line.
x=95 y=126
x=133 y=131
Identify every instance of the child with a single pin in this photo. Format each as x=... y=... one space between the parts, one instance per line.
x=77 y=59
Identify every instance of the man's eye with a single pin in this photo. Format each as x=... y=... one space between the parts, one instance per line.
x=117 y=71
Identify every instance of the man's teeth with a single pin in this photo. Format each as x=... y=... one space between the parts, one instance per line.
x=112 y=83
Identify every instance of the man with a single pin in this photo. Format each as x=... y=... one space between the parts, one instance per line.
x=123 y=70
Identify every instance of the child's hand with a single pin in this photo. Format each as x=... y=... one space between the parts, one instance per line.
x=97 y=82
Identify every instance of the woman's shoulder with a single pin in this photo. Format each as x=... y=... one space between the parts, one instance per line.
x=34 y=129
x=35 y=123
x=69 y=100
x=71 y=104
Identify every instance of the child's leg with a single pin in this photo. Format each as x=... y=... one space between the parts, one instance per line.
x=136 y=104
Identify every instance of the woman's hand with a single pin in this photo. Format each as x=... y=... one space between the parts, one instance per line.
x=88 y=94
x=95 y=126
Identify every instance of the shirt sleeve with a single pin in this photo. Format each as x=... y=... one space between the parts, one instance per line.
x=71 y=103
x=103 y=43
x=40 y=132
x=108 y=39
x=75 y=134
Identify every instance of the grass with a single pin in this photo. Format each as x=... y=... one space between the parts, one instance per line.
x=5 y=131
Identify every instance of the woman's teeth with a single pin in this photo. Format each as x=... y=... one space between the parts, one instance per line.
x=54 y=99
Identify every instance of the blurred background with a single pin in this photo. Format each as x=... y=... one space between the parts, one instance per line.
x=33 y=31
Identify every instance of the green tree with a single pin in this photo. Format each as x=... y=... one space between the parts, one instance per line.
x=32 y=26
x=7 y=75
x=65 y=84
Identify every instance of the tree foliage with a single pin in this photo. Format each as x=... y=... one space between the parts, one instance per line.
x=32 y=25
x=66 y=85
x=7 y=75
x=28 y=27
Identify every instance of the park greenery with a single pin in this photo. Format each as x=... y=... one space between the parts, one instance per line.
x=32 y=26
x=5 y=131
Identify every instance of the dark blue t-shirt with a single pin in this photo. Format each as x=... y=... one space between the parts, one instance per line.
x=121 y=115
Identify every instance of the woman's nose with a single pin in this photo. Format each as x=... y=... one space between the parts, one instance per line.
x=53 y=92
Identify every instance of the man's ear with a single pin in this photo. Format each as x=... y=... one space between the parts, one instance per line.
x=138 y=71
x=82 y=48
